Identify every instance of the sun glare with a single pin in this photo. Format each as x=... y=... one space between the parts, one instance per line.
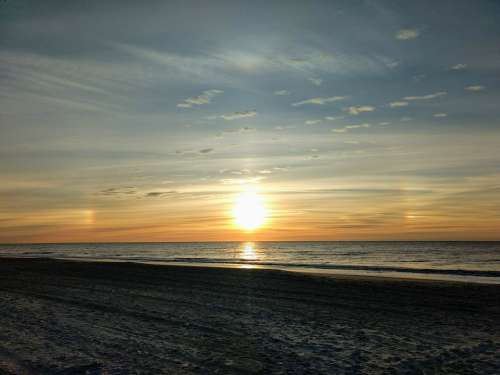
x=249 y=211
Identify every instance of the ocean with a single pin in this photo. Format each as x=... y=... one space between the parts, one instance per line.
x=462 y=261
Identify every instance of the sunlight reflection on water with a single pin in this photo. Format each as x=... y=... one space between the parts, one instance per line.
x=247 y=266
x=248 y=251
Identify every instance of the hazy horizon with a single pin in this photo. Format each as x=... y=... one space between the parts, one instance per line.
x=229 y=241
x=122 y=121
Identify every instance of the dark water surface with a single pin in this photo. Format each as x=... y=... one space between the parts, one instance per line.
x=467 y=261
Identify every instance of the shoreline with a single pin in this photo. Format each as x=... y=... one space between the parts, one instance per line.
x=437 y=275
x=68 y=317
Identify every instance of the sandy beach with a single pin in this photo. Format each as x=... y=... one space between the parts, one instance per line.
x=65 y=317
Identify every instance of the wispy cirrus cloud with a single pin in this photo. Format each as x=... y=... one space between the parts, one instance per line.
x=312 y=122
x=475 y=88
x=357 y=109
x=440 y=115
x=157 y=194
x=319 y=100
x=426 y=97
x=392 y=64
x=459 y=66
x=206 y=150
x=282 y=92
x=346 y=128
x=407 y=34
x=238 y=115
x=205 y=98
x=245 y=129
x=119 y=191
x=334 y=118
x=316 y=81
x=242 y=181
x=398 y=104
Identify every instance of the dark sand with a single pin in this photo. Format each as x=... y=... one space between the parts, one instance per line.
x=61 y=317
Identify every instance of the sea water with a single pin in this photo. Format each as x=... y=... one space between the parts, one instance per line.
x=463 y=261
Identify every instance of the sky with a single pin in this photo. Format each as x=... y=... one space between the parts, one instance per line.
x=353 y=120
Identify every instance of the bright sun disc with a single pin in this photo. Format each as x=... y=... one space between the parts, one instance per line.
x=249 y=212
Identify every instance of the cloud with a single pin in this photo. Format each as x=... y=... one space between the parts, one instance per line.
x=155 y=194
x=357 y=109
x=407 y=34
x=333 y=118
x=248 y=172
x=238 y=115
x=350 y=127
x=242 y=181
x=392 y=64
x=196 y=68
x=206 y=150
x=282 y=128
x=282 y=92
x=440 y=115
x=312 y=122
x=319 y=100
x=426 y=97
x=280 y=169
x=398 y=104
x=316 y=81
x=238 y=172
x=459 y=66
x=475 y=88
x=204 y=98
x=245 y=129
x=117 y=191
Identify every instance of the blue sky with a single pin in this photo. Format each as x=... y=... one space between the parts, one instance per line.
x=126 y=120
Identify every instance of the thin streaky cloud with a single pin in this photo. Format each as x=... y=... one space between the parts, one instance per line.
x=206 y=150
x=312 y=122
x=282 y=92
x=205 y=98
x=392 y=64
x=398 y=104
x=347 y=128
x=156 y=194
x=407 y=34
x=319 y=100
x=459 y=67
x=426 y=97
x=475 y=88
x=238 y=115
x=316 y=81
x=438 y=115
x=357 y=109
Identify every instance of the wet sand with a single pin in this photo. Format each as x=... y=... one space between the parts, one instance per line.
x=63 y=317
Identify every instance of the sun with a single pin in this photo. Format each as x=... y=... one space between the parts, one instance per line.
x=249 y=211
